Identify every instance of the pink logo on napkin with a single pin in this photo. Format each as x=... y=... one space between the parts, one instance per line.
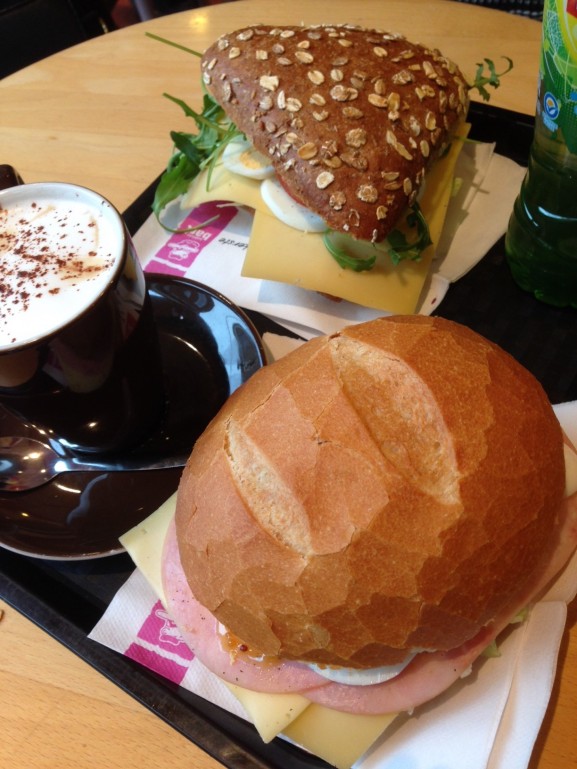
x=183 y=248
x=159 y=646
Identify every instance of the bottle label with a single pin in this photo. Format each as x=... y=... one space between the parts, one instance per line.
x=568 y=23
x=557 y=101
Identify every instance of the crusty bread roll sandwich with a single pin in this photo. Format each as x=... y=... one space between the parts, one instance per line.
x=344 y=140
x=365 y=516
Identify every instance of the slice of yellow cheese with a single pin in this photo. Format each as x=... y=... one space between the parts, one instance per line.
x=271 y=714
x=276 y=252
x=222 y=185
x=350 y=735
x=144 y=544
x=338 y=738
x=280 y=253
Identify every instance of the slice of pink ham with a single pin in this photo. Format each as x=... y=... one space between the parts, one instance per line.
x=200 y=631
x=427 y=676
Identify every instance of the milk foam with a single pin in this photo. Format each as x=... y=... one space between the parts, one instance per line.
x=59 y=249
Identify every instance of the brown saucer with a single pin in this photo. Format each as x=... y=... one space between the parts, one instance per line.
x=209 y=348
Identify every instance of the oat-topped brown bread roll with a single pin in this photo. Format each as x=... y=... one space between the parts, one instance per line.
x=350 y=117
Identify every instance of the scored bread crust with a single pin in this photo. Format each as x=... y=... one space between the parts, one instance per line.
x=350 y=117
x=386 y=489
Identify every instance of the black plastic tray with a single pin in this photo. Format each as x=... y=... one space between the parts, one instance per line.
x=67 y=598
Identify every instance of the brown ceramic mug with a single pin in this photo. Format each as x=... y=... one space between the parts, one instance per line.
x=79 y=354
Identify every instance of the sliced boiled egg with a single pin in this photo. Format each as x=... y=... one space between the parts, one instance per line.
x=355 y=677
x=570 y=470
x=288 y=210
x=240 y=157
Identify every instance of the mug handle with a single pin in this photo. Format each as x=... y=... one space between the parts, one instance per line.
x=9 y=177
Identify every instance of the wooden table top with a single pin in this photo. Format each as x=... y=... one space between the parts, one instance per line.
x=95 y=115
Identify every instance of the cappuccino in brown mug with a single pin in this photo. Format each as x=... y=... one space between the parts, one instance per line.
x=79 y=353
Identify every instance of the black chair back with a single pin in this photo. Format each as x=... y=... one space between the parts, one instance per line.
x=30 y=30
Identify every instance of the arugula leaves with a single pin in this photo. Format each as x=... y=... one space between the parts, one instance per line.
x=493 y=78
x=348 y=253
x=401 y=248
x=194 y=151
x=351 y=254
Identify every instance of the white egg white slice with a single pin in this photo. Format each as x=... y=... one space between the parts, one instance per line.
x=354 y=677
x=240 y=157
x=570 y=471
x=288 y=210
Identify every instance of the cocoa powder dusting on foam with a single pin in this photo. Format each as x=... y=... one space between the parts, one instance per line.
x=33 y=259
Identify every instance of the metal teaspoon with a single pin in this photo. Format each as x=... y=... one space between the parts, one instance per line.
x=26 y=463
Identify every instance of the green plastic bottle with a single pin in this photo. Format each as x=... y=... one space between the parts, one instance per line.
x=541 y=241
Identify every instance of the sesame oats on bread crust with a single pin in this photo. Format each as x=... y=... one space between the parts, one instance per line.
x=350 y=117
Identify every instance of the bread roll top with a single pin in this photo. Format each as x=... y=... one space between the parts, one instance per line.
x=386 y=489
x=351 y=118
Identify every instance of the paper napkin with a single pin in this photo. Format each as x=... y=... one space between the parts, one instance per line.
x=214 y=253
